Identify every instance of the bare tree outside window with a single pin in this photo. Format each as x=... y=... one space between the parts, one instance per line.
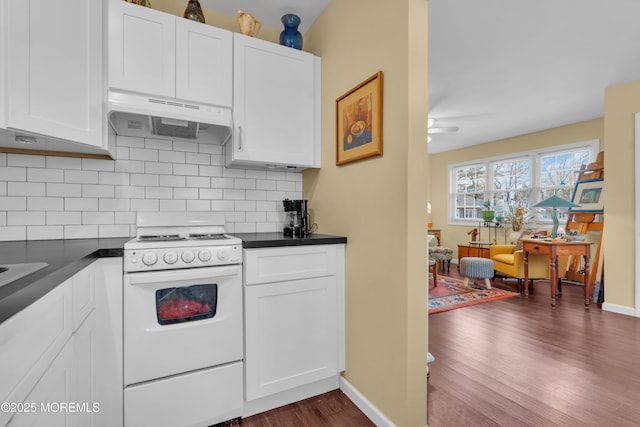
x=519 y=181
x=511 y=184
x=470 y=189
x=558 y=176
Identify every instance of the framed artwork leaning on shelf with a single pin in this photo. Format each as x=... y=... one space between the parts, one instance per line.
x=589 y=195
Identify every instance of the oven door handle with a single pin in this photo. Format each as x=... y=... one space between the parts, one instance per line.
x=181 y=275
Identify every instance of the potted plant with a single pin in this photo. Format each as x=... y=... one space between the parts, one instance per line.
x=488 y=214
x=516 y=216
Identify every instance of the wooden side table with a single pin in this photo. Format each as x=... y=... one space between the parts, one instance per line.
x=474 y=249
x=555 y=249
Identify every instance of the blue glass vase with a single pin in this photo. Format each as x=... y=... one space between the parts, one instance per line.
x=290 y=36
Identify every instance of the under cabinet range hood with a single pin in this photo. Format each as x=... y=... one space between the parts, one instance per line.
x=143 y=116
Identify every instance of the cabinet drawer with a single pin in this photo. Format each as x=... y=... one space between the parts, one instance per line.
x=214 y=390
x=535 y=248
x=290 y=263
x=29 y=341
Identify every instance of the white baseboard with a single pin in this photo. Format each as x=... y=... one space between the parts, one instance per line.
x=620 y=309
x=286 y=397
x=368 y=408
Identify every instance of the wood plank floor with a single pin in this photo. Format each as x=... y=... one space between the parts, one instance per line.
x=512 y=362
x=328 y=409
x=517 y=362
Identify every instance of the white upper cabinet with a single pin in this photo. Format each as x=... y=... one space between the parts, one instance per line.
x=275 y=110
x=159 y=54
x=204 y=65
x=54 y=74
x=141 y=49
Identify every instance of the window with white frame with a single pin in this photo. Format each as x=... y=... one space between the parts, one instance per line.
x=520 y=179
x=470 y=184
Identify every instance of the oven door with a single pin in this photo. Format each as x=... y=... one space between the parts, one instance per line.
x=179 y=321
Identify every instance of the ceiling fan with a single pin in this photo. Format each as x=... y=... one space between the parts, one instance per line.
x=433 y=128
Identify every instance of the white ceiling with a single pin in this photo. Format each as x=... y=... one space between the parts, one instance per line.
x=502 y=68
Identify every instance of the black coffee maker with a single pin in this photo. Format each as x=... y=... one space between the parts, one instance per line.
x=296 y=223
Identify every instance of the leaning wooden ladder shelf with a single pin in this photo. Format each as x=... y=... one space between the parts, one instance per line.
x=583 y=222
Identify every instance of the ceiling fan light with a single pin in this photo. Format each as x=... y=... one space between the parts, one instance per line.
x=444 y=129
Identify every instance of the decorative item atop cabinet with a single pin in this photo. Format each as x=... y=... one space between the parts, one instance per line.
x=193 y=11
x=249 y=26
x=146 y=3
x=290 y=36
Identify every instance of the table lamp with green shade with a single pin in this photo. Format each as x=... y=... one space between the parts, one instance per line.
x=555 y=202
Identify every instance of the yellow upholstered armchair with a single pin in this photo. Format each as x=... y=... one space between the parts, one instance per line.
x=509 y=262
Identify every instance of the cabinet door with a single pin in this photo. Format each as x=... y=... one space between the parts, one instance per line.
x=29 y=343
x=141 y=49
x=55 y=69
x=204 y=63
x=291 y=335
x=53 y=389
x=273 y=103
x=83 y=296
x=84 y=373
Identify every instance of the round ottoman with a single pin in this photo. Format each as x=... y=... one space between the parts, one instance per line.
x=476 y=268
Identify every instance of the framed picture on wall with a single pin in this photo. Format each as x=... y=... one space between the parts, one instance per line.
x=589 y=195
x=359 y=121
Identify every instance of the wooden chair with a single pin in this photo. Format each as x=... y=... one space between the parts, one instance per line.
x=433 y=269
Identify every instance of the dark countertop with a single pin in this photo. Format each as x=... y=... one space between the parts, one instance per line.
x=65 y=258
x=270 y=240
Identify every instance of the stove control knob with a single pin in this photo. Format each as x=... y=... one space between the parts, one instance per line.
x=149 y=258
x=188 y=256
x=170 y=257
x=222 y=254
x=204 y=255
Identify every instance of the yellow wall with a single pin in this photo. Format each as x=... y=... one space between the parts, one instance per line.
x=621 y=104
x=455 y=235
x=379 y=203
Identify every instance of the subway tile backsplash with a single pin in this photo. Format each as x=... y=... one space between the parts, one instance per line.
x=50 y=197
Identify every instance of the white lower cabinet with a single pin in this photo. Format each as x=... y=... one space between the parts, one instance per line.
x=85 y=354
x=65 y=351
x=54 y=389
x=107 y=359
x=294 y=317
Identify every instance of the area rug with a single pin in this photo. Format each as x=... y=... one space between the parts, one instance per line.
x=450 y=294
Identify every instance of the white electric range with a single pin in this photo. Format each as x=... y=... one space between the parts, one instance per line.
x=183 y=321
